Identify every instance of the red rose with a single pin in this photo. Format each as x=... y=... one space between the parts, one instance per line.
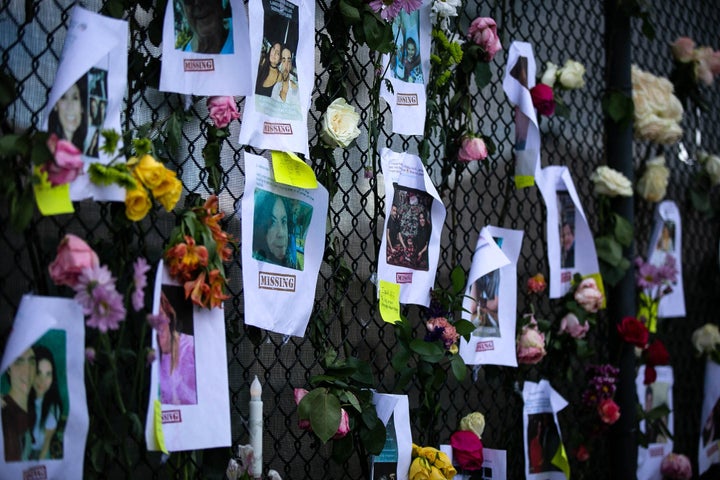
x=650 y=375
x=467 y=450
x=543 y=100
x=657 y=354
x=582 y=454
x=633 y=331
x=609 y=411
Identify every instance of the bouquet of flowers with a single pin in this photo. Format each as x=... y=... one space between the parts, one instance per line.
x=654 y=281
x=429 y=462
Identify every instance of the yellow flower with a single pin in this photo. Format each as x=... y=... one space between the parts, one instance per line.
x=148 y=170
x=430 y=464
x=419 y=469
x=137 y=204
x=169 y=190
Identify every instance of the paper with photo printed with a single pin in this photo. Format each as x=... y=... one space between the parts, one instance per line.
x=205 y=64
x=394 y=460
x=571 y=248
x=283 y=241
x=494 y=465
x=666 y=239
x=87 y=94
x=490 y=301
x=709 y=445
x=414 y=218
x=282 y=62
x=657 y=393
x=541 y=431
x=48 y=337
x=407 y=68
x=519 y=79
x=192 y=388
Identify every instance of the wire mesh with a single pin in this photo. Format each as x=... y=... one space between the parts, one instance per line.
x=479 y=196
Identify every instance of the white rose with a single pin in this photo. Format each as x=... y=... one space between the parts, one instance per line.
x=550 y=74
x=473 y=422
x=571 y=75
x=658 y=112
x=711 y=164
x=611 y=182
x=653 y=184
x=706 y=338
x=340 y=124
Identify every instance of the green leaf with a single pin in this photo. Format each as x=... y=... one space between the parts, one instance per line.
x=619 y=107
x=22 y=207
x=464 y=328
x=173 y=130
x=457 y=276
x=14 y=145
x=135 y=425
x=7 y=89
x=374 y=438
x=363 y=372
x=608 y=250
x=483 y=75
x=623 y=230
x=323 y=410
x=458 y=367
x=426 y=349
x=700 y=200
x=350 y=13
x=377 y=32
x=342 y=449
x=350 y=398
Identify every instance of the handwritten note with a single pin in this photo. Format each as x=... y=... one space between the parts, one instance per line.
x=389 y=301
x=290 y=169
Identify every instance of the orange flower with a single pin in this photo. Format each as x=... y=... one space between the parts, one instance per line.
x=184 y=258
x=197 y=290
x=217 y=287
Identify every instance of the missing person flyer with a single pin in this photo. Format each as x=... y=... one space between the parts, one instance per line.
x=666 y=246
x=571 y=248
x=407 y=69
x=188 y=401
x=491 y=298
x=283 y=241
x=205 y=48
x=396 y=456
x=42 y=385
x=87 y=94
x=651 y=396
x=414 y=219
x=709 y=446
x=545 y=456
x=282 y=62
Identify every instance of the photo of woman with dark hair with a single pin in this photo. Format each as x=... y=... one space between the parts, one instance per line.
x=48 y=404
x=268 y=71
x=18 y=406
x=67 y=118
x=177 y=348
x=405 y=60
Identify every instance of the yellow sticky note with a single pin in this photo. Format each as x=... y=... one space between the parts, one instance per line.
x=524 y=181
x=53 y=200
x=290 y=169
x=157 y=422
x=389 y=301
x=599 y=281
x=560 y=460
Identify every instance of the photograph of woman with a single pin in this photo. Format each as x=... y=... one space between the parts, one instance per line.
x=48 y=405
x=422 y=239
x=408 y=228
x=666 y=242
x=405 y=60
x=68 y=119
x=18 y=406
x=97 y=83
x=268 y=71
x=484 y=305
x=177 y=348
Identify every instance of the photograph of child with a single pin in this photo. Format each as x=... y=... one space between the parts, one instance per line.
x=405 y=61
x=408 y=228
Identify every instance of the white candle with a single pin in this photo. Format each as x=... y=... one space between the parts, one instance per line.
x=256 y=425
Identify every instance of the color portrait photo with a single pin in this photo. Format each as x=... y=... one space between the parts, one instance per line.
x=408 y=228
x=203 y=26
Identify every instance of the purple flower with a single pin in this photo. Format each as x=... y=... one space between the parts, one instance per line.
x=140 y=268
x=667 y=272
x=646 y=275
x=389 y=9
x=106 y=310
x=90 y=355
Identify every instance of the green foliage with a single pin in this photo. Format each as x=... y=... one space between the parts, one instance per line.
x=619 y=107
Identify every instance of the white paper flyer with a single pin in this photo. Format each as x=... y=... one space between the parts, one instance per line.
x=571 y=248
x=660 y=392
x=709 y=445
x=205 y=48
x=494 y=465
x=544 y=451
x=189 y=376
x=47 y=341
x=282 y=62
x=519 y=79
x=490 y=301
x=414 y=218
x=87 y=94
x=666 y=240
x=283 y=241
x=394 y=460
x=408 y=70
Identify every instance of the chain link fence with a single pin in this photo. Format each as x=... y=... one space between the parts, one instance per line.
x=479 y=195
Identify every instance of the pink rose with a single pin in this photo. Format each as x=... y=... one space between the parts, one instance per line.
x=467 y=450
x=530 y=344
x=682 y=49
x=589 y=296
x=609 y=411
x=222 y=110
x=582 y=454
x=571 y=325
x=343 y=428
x=73 y=256
x=707 y=64
x=543 y=100
x=473 y=148
x=676 y=467
x=66 y=165
x=483 y=32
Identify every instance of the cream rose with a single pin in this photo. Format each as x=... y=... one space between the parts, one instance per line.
x=658 y=112
x=711 y=164
x=611 y=182
x=706 y=338
x=571 y=75
x=589 y=296
x=549 y=76
x=340 y=124
x=473 y=422
x=652 y=186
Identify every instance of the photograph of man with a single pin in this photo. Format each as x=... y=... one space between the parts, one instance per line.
x=280 y=227
x=68 y=118
x=286 y=89
x=566 y=210
x=203 y=26
x=484 y=305
x=97 y=81
x=543 y=442
x=405 y=60
x=178 y=382
x=408 y=229
x=656 y=394
x=18 y=407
